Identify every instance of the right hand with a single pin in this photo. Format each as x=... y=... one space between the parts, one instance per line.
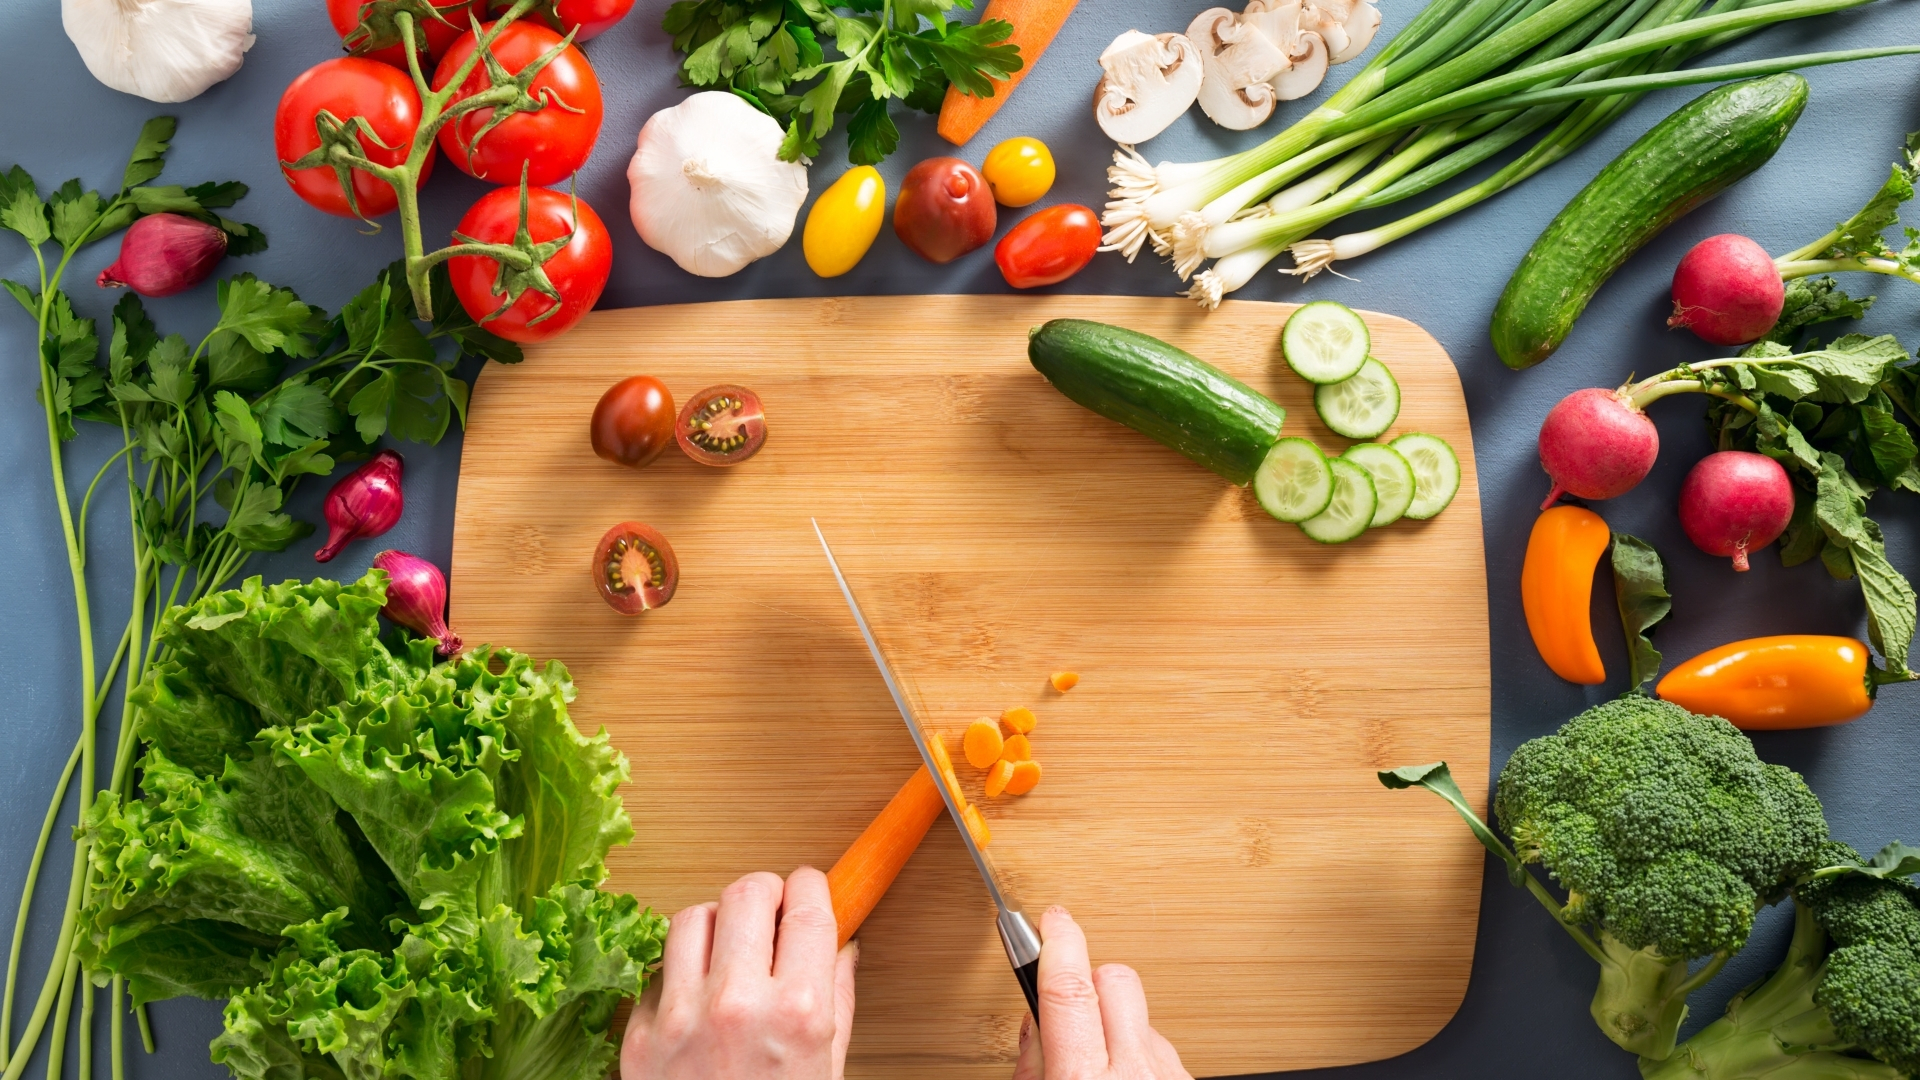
x=1093 y=1024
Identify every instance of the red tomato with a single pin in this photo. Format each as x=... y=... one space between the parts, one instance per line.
x=634 y=568
x=721 y=425
x=436 y=33
x=633 y=422
x=348 y=87
x=578 y=271
x=1048 y=247
x=554 y=139
x=591 y=16
x=945 y=209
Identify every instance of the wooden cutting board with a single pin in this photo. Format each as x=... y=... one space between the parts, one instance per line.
x=1209 y=810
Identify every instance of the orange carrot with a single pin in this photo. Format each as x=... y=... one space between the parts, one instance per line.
x=1025 y=775
x=1035 y=22
x=976 y=825
x=982 y=743
x=1019 y=721
x=1064 y=681
x=998 y=776
x=861 y=877
x=1017 y=748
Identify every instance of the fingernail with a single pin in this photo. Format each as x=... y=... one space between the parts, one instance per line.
x=1026 y=1031
x=1058 y=910
x=856 y=953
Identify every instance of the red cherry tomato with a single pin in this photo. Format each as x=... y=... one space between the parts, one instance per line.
x=1049 y=246
x=721 y=425
x=553 y=140
x=945 y=209
x=436 y=34
x=347 y=87
x=633 y=422
x=634 y=568
x=591 y=16
x=578 y=271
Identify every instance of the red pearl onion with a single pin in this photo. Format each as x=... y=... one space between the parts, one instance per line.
x=366 y=502
x=163 y=254
x=417 y=597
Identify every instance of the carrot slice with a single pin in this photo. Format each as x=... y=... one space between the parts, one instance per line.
x=1026 y=774
x=1017 y=748
x=976 y=825
x=1019 y=720
x=1035 y=22
x=937 y=749
x=998 y=776
x=1064 y=681
x=871 y=862
x=982 y=743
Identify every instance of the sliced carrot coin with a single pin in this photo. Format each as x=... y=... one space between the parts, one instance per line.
x=998 y=776
x=1020 y=721
x=976 y=825
x=1026 y=774
x=1017 y=748
x=937 y=748
x=1064 y=681
x=982 y=743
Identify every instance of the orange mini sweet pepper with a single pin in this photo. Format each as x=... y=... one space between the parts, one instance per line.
x=1769 y=683
x=1556 y=589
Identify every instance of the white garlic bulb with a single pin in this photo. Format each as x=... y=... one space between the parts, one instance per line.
x=161 y=50
x=709 y=188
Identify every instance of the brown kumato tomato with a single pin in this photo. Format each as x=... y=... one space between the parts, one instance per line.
x=633 y=422
x=634 y=568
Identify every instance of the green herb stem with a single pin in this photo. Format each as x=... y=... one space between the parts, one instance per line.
x=26 y=892
x=1791 y=269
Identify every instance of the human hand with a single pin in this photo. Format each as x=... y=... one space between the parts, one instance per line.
x=750 y=989
x=1093 y=1024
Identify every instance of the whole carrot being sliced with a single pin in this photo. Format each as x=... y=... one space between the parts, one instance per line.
x=864 y=872
x=982 y=743
x=1035 y=22
x=1026 y=774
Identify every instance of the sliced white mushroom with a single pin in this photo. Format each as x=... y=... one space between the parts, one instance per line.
x=1360 y=27
x=1328 y=19
x=1308 y=68
x=1150 y=80
x=1279 y=20
x=1237 y=60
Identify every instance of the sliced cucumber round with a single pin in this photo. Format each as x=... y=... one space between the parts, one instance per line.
x=1392 y=480
x=1294 y=482
x=1349 y=511
x=1360 y=407
x=1436 y=473
x=1325 y=342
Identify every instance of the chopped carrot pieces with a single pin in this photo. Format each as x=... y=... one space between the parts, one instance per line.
x=1017 y=748
x=1026 y=774
x=937 y=749
x=977 y=825
x=982 y=743
x=1064 y=681
x=1020 y=721
x=998 y=776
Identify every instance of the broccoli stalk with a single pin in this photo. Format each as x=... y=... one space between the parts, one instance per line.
x=1641 y=998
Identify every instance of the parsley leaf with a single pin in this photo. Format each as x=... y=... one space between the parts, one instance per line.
x=269 y=318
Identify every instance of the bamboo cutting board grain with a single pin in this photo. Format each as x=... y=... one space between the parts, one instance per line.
x=1209 y=810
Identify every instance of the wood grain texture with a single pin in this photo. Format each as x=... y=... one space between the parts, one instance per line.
x=1209 y=810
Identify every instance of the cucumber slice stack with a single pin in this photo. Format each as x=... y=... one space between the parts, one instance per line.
x=1325 y=342
x=1392 y=480
x=1349 y=511
x=1436 y=473
x=1295 y=481
x=1361 y=406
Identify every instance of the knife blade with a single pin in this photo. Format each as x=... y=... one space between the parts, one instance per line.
x=1017 y=935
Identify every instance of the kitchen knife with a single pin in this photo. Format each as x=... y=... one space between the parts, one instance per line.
x=1016 y=933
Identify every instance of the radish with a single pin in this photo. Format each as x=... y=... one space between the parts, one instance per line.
x=1596 y=444
x=1734 y=502
x=1727 y=291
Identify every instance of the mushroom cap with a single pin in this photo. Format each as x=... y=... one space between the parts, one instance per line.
x=1308 y=69
x=1279 y=20
x=1150 y=81
x=1360 y=28
x=1237 y=60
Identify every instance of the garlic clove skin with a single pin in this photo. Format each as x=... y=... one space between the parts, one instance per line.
x=161 y=50
x=709 y=189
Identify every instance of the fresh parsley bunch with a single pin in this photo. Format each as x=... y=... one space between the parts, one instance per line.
x=773 y=53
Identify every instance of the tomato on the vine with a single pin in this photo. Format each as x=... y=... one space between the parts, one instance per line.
x=361 y=23
x=348 y=87
x=591 y=16
x=721 y=425
x=633 y=421
x=634 y=568
x=553 y=141
x=1049 y=246
x=503 y=300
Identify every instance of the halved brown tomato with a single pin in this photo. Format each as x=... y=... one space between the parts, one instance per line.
x=634 y=568
x=633 y=421
x=722 y=425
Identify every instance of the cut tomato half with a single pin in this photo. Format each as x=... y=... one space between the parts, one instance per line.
x=634 y=568
x=722 y=425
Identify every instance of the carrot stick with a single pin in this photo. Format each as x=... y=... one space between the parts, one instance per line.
x=1035 y=22
x=868 y=867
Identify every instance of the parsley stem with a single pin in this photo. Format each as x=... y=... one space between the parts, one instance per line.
x=33 y=878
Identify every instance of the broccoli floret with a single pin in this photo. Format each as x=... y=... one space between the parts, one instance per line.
x=1668 y=833
x=1844 y=1004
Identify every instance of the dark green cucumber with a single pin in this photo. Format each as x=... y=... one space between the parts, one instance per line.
x=1686 y=159
x=1158 y=390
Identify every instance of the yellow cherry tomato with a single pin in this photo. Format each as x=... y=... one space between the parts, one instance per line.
x=1019 y=171
x=844 y=220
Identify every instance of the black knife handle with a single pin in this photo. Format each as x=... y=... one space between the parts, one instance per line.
x=1029 y=976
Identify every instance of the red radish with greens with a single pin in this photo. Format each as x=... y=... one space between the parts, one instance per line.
x=417 y=598
x=1734 y=503
x=366 y=502
x=1596 y=444
x=1727 y=291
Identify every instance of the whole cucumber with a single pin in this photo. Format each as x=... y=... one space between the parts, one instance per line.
x=1161 y=391
x=1686 y=159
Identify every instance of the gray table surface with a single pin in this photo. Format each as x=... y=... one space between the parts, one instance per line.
x=1525 y=1010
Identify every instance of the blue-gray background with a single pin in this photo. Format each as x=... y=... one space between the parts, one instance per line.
x=1525 y=1012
